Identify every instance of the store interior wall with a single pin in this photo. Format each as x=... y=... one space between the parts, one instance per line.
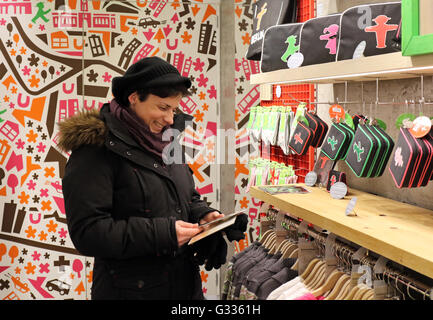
x=227 y=114
x=388 y=91
x=38 y=89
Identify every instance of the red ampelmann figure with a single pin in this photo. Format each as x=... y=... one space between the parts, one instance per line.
x=381 y=28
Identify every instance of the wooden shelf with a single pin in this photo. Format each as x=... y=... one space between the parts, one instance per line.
x=383 y=67
x=400 y=232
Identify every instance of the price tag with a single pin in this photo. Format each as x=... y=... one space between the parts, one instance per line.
x=336 y=111
x=350 y=206
x=421 y=126
x=402 y=117
x=381 y=124
x=349 y=121
x=338 y=190
x=311 y=179
x=278 y=91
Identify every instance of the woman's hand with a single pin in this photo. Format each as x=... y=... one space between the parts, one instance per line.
x=211 y=216
x=185 y=231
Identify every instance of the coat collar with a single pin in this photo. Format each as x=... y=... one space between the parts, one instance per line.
x=121 y=132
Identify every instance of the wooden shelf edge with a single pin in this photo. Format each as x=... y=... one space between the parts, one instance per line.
x=383 y=242
x=383 y=67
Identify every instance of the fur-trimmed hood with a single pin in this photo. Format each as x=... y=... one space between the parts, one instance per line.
x=86 y=127
x=90 y=127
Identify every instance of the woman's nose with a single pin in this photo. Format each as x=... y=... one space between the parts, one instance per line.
x=169 y=119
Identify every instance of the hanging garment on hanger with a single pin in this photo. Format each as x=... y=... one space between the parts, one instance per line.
x=283 y=276
x=268 y=262
x=309 y=296
x=249 y=269
x=297 y=290
x=235 y=259
x=239 y=269
x=253 y=282
x=281 y=289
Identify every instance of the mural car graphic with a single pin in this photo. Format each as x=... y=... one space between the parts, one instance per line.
x=57 y=285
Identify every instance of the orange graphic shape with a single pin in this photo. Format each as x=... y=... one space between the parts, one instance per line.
x=35 y=112
x=195 y=10
x=240 y=168
x=196 y=165
x=123 y=26
x=106 y=36
x=80 y=288
x=209 y=11
x=159 y=35
x=29 y=167
x=7 y=82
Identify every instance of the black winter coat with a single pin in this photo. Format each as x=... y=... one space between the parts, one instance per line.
x=121 y=206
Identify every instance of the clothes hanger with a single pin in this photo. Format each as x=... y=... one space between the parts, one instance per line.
x=345 y=284
x=282 y=246
x=309 y=268
x=344 y=290
x=362 y=290
x=285 y=249
x=313 y=272
x=294 y=253
x=351 y=293
x=270 y=241
x=338 y=287
x=289 y=250
x=368 y=295
x=265 y=235
x=295 y=266
x=329 y=283
x=318 y=277
x=272 y=247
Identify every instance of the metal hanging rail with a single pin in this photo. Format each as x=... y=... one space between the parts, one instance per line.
x=390 y=274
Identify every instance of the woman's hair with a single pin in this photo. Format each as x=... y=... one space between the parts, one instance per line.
x=162 y=92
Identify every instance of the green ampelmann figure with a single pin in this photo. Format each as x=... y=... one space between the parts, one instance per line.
x=291 y=47
x=41 y=13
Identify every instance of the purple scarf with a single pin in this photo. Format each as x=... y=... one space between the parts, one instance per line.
x=139 y=130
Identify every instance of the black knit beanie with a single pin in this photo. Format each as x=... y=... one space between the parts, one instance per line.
x=149 y=72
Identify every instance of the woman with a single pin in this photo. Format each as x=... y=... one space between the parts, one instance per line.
x=124 y=205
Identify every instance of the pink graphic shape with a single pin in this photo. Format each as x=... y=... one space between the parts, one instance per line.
x=60 y=204
x=205 y=190
x=15 y=161
x=211 y=129
x=330 y=34
x=149 y=34
x=77 y=266
x=12 y=182
x=37 y=285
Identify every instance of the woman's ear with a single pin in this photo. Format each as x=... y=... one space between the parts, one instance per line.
x=132 y=98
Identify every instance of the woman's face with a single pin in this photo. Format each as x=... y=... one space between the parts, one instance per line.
x=155 y=111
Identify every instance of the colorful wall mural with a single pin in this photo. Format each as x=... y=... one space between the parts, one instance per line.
x=58 y=57
x=247 y=95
